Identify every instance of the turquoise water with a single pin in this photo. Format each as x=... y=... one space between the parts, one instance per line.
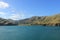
x=29 y=33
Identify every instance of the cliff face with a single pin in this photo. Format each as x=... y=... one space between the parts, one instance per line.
x=43 y=20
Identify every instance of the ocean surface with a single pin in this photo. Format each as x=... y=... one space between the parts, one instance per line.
x=29 y=33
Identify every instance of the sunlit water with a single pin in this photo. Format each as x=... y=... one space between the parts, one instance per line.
x=29 y=33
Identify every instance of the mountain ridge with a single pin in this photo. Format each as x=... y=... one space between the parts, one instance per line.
x=53 y=20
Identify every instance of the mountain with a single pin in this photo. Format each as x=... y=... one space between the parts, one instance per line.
x=8 y=22
x=53 y=20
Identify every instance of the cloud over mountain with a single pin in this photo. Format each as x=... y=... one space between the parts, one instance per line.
x=16 y=16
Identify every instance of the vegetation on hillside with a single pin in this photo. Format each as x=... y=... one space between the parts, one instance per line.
x=8 y=22
x=43 y=20
x=35 y=20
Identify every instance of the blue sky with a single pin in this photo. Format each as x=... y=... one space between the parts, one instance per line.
x=20 y=9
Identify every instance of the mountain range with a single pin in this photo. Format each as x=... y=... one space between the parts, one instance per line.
x=53 y=20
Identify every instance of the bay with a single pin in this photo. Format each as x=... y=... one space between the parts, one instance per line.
x=29 y=33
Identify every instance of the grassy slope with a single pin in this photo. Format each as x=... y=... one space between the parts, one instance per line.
x=47 y=20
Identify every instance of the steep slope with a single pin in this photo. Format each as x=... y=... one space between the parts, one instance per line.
x=43 y=20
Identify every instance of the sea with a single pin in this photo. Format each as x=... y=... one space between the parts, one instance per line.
x=34 y=32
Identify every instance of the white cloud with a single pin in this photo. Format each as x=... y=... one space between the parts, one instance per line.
x=16 y=16
x=2 y=13
x=4 y=4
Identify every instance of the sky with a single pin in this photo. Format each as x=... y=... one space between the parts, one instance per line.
x=21 y=9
